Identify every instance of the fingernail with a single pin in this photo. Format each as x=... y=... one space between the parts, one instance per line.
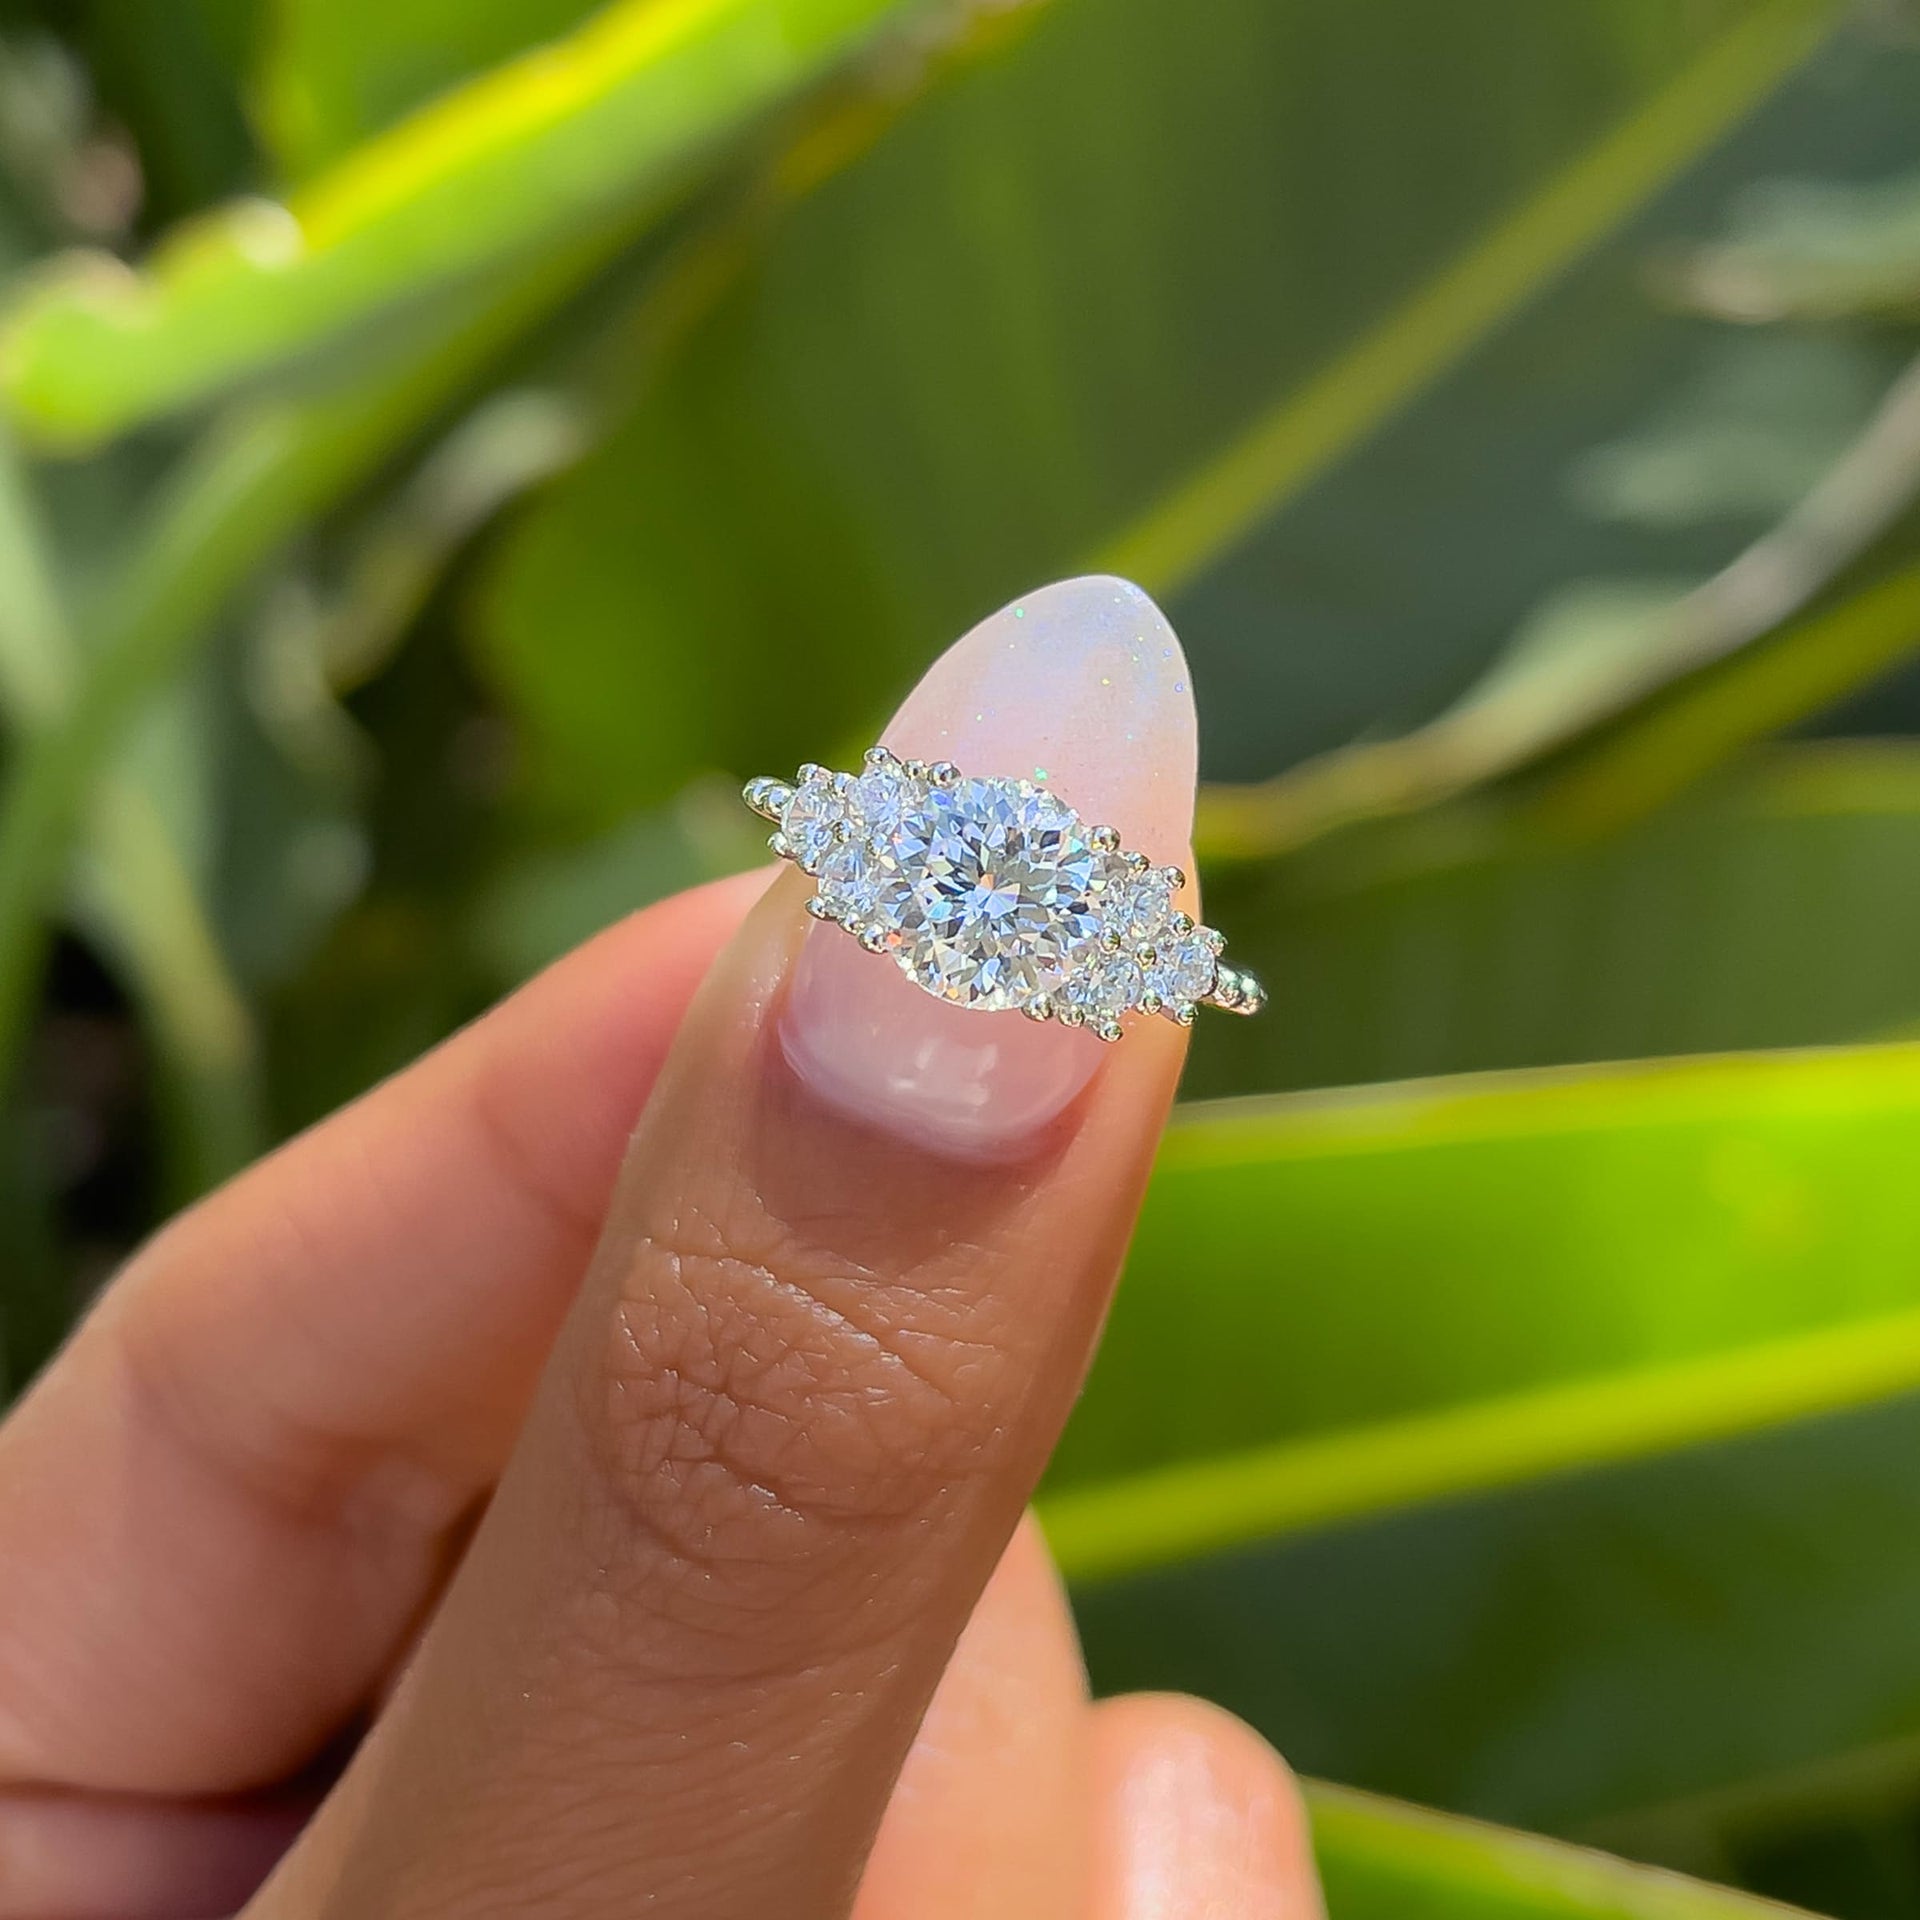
x=1081 y=687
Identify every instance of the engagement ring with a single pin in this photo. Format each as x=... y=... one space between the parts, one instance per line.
x=994 y=894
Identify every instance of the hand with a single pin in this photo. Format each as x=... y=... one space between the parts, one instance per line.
x=629 y=1594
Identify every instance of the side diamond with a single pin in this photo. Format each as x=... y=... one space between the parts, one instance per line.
x=884 y=794
x=1135 y=908
x=1184 y=969
x=1104 y=988
x=820 y=806
x=850 y=877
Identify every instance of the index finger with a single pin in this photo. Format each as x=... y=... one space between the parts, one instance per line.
x=848 y=1288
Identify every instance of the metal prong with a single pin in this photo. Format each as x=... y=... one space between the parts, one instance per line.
x=820 y=910
x=943 y=773
x=1183 y=924
x=780 y=846
x=915 y=769
x=1041 y=1009
x=842 y=831
x=767 y=797
x=1104 y=839
x=1110 y=941
x=1185 y=1013
x=1071 y=1016
x=1108 y=1029
x=1176 y=877
x=873 y=939
x=1138 y=862
x=1148 y=956
x=1149 y=1002
x=879 y=757
x=810 y=770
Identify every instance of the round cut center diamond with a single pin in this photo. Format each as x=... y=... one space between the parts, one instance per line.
x=989 y=899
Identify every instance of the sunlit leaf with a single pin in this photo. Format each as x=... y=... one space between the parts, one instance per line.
x=1768 y=1267
x=1485 y=1441
x=564 y=136
x=337 y=71
x=1384 y=1860
x=1091 y=300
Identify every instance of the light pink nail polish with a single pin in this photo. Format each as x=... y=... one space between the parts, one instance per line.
x=1080 y=687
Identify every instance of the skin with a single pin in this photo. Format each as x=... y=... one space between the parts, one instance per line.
x=476 y=1510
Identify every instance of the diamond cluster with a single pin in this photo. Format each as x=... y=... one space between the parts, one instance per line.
x=994 y=894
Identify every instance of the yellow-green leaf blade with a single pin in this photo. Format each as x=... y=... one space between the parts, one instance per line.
x=1339 y=1304
x=520 y=155
x=1384 y=1860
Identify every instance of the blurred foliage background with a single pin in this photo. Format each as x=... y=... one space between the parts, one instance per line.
x=449 y=442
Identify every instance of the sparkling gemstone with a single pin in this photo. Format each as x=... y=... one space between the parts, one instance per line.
x=883 y=794
x=814 y=814
x=1184 y=969
x=988 y=894
x=850 y=877
x=1138 y=906
x=1105 y=988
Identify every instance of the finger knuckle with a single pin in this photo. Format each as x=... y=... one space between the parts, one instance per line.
x=757 y=1401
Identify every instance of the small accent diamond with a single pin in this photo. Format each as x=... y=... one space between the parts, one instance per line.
x=850 y=876
x=1183 y=971
x=1137 y=906
x=1106 y=988
x=883 y=794
x=814 y=815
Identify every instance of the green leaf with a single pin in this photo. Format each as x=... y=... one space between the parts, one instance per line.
x=256 y=478
x=1770 y=911
x=545 y=901
x=338 y=71
x=1274 y=458
x=1484 y=1440
x=1125 y=243
x=563 y=136
x=1766 y=416
x=1383 y=1860
x=144 y=910
x=133 y=881
x=1812 y=249
x=1596 y=649
x=1769 y=1267
x=1682 y=1658
x=37 y=667
x=1626 y=774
